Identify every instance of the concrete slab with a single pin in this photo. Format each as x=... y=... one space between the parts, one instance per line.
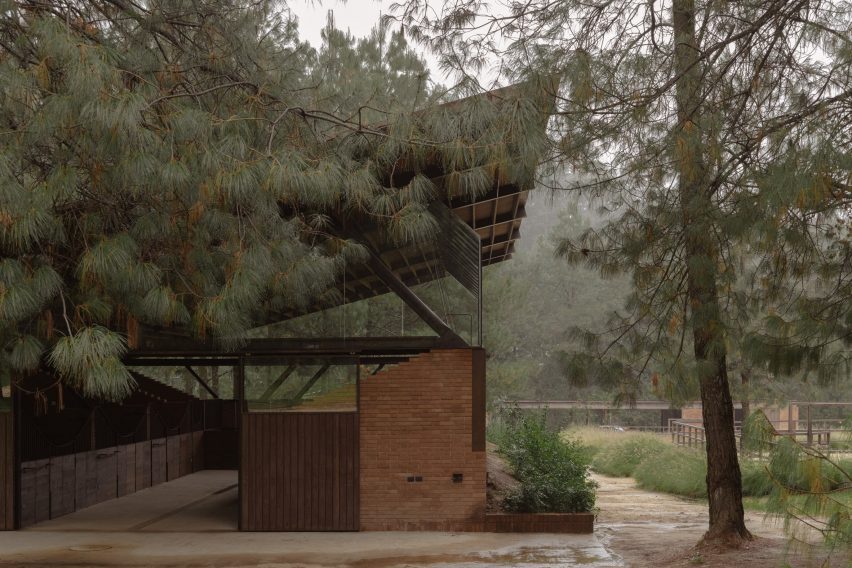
x=192 y=521
x=201 y=502
x=305 y=550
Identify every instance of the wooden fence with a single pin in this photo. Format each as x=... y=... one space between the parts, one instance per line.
x=816 y=432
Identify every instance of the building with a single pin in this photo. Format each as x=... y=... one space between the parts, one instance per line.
x=342 y=433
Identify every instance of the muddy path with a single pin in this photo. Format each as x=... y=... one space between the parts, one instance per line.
x=648 y=529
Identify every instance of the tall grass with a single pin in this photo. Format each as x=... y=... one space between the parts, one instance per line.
x=658 y=465
x=674 y=470
x=621 y=459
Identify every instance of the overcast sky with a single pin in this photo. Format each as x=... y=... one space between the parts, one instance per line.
x=358 y=16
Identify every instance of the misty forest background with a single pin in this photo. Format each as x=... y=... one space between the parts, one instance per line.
x=537 y=305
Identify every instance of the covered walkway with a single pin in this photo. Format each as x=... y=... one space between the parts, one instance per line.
x=205 y=501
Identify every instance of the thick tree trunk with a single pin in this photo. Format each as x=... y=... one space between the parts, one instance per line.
x=724 y=483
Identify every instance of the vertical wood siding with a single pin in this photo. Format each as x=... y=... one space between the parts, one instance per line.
x=7 y=473
x=478 y=401
x=299 y=472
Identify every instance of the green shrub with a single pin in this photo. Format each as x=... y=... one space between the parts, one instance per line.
x=674 y=470
x=621 y=458
x=497 y=430
x=553 y=474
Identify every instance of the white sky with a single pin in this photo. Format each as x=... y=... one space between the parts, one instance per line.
x=358 y=16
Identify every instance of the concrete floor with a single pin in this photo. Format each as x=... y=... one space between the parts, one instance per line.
x=192 y=522
x=303 y=550
x=202 y=502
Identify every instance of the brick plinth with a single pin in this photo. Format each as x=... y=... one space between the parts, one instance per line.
x=576 y=523
x=416 y=422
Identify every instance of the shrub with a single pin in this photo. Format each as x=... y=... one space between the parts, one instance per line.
x=621 y=458
x=553 y=474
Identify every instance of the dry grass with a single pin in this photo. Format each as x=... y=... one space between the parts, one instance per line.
x=599 y=438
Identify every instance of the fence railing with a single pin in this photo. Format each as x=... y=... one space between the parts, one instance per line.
x=686 y=433
x=817 y=432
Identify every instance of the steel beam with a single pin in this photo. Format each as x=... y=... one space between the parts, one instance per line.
x=172 y=350
x=201 y=381
x=277 y=384
x=310 y=383
x=411 y=299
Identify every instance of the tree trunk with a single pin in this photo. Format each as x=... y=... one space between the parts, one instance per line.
x=745 y=375
x=724 y=483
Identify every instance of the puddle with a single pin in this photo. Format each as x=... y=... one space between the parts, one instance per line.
x=90 y=547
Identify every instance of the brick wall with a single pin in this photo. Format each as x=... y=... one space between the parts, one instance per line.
x=416 y=420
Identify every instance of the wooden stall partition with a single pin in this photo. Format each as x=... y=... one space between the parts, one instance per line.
x=35 y=491
x=173 y=457
x=62 y=485
x=89 y=471
x=126 y=469
x=159 y=461
x=7 y=472
x=299 y=471
x=107 y=474
x=197 y=441
x=143 y=465
x=185 y=457
x=80 y=500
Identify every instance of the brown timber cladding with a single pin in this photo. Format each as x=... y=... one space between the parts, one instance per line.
x=299 y=471
x=60 y=485
x=7 y=473
x=417 y=420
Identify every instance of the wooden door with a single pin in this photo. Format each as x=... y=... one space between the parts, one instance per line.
x=299 y=471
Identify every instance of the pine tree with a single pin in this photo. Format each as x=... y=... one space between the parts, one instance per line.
x=717 y=135
x=182 y=164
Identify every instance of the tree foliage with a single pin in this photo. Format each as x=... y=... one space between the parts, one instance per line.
x=810 y=489
x=186 y=163
x=718 y=135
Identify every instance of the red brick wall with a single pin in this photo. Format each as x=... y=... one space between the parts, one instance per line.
x=416 y=420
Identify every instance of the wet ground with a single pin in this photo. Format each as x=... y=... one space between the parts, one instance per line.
x=192 y=522
x=645 y=529
x=380 y=550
